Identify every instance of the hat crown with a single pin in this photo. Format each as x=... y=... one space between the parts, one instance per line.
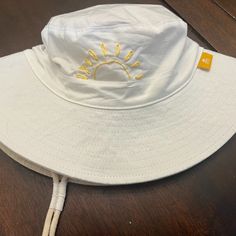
x=112 y=33
x=119 y=52
x=113 y=15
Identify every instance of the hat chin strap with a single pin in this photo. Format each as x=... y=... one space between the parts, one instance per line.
x=56 y=205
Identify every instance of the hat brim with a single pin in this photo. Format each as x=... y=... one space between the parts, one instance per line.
x=116 y=146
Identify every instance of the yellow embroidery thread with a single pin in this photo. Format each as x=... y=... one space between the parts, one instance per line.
x=80 y=76
x=88 y=62
x=135 y=64
x=93 y=62
x=93 y=54
x=139 y=76
x=111 y=62
x=129 y=55
x=84 y=69
x=104 y=49
x=117 y=50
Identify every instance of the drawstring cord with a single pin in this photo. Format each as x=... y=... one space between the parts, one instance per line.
x=56 y=205
x=50 y=212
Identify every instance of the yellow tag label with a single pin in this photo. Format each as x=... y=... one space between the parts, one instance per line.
x=205 y=61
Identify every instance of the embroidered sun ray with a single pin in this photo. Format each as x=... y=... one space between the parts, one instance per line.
x=129 y=55
x=88 y=62
x=80 y=76
x=104 y=49
x=93 y=63
x=136 y=64
x=139 y=76
x=93 y=54
x=84 y=69
x=117 y=50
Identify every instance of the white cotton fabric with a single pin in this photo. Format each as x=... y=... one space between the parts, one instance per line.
x=90 y=133
x=158 y=39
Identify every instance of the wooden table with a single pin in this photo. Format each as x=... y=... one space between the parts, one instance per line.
x=200 y=201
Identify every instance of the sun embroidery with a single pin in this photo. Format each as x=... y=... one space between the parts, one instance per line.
x=93 y=62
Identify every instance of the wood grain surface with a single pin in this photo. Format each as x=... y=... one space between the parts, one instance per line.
x=200 y=201
x=210 y=21
x=228 y=6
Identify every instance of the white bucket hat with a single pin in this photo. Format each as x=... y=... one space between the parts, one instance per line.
x=117 y=94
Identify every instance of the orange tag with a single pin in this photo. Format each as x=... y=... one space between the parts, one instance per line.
x=205 y=61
